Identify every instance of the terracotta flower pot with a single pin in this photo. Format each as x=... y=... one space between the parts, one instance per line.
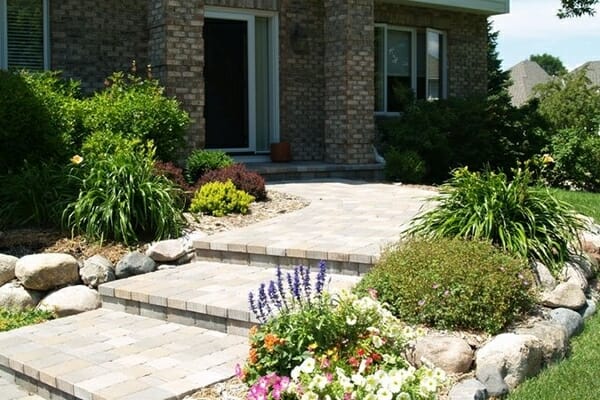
x=281 y=152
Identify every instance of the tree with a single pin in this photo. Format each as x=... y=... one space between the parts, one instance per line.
x=577 y=8
x=551 y=64
x=498 y=80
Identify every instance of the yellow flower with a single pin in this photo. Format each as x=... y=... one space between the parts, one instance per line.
x=547 y=159
x=76 y=159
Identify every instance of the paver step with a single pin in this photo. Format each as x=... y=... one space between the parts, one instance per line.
x=309 y=170
x=109 y=355
x=204 y=294
x=9 y=390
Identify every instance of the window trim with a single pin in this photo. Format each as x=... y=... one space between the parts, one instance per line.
x=444 y=77
x=4 y=34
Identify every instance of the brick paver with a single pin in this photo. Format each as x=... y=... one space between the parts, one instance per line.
x=10 y=391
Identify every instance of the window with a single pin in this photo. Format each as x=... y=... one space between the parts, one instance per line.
x=24 y=34
x=408 y=63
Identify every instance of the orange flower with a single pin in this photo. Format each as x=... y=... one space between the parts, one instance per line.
x=271 y=340
x=253 y=356
x=253 y=330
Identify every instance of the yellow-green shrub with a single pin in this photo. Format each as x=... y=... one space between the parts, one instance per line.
x=221 y=198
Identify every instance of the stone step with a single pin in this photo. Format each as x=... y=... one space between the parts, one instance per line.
x=203 y=294
x=109 y=355
x=9 y=390
x=311 y=170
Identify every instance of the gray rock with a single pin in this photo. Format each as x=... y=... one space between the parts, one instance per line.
x=493 y=381
x=554 y=339
x=470 y=389
x=134 y=263
x=7 y=268
x=589 y=310
x=47 y=271
x=583 y=264
x=15 y=297
x=543 y=276
x=71 y=300
x=570 y=320
x=450 y=353
x=567 y=295
x=167 y=250
x=97 y=270
x=516 y=357
x=573 y=274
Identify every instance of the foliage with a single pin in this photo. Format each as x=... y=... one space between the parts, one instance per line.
x=138 y=108
x=574 y=378
x=497 y=77
x=549 y=63
x=202 y=161
x=38 y=118
x=101 y=144
x=221 y=198
x=452 y=284
x=122 y=199
x=516 y=216
x=248 y=181
x=332 y=347
x=404 y=166
x=36 y=195
x=577 y=8
x=11 y=319
x=584 y=203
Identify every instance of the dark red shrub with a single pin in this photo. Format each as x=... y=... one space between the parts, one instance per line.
x=248 y=181
x=173 y=173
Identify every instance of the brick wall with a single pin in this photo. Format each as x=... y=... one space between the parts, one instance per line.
x=92 y=39
x=467 y=42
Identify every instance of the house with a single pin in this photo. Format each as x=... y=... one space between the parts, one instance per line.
x=592 y=71
x=252 y=72
x=524 y=77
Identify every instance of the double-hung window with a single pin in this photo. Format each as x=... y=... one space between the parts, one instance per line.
x=24 y=38
x=409 y=63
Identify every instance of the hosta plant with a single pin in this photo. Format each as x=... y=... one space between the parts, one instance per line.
x=516 y=215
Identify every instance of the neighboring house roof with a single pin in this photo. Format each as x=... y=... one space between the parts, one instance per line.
x=592 y=71
x=525 y=76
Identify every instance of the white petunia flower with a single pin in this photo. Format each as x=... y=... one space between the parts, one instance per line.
x=384 y=394
x=308 y=365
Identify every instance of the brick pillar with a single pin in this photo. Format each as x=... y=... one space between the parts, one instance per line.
x=176 y=52
x=349 y=81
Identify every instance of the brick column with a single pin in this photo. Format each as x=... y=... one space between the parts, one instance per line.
x=176 y=52
x=349 y=81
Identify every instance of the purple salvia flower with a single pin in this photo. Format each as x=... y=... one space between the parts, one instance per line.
x=274 y=295
x=263 y=300
x=296 y=289
x=255 y=310
x=281 y=288
x=305 y=273
x=321 y=275
x=290 y=285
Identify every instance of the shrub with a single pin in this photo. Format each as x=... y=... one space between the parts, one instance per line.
x=319 y=346
x=404 y=166
x=36 y=195
x=221 y=198
x=452 y=284
x=201 y=161
x=248 y=181
x=138 y=108
x=122 y=199
x=103 y=144
x=520 y=218
x=12 y=319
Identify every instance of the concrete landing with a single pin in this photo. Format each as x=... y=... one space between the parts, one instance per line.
x=109 y=355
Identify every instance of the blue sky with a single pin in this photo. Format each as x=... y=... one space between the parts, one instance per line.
x=532 y=27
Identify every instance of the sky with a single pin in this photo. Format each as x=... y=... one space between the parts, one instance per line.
x=532 y=27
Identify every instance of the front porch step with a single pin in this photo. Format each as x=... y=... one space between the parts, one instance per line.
x=11 y=391
x=110 y=355
x=208 y=295
x=314 y=170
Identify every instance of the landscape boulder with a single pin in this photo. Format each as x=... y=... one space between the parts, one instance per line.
x=470 y=389
x=543 y=276
x=15 y=297
x=570 y=320
x=589 y=310
x=583 y=264
x=47 y=271
x=7 y=268
x=493 y=380
x=450 y=353
x=572 y=273
x=97 y=270
x=567 y=295
x=553 y=338
x=134 y=263
x=514 y=357
x=167 y=250
x=71 y=300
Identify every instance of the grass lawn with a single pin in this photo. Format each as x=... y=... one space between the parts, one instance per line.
x=584 y=202
x=16 y=319
x=576 y=378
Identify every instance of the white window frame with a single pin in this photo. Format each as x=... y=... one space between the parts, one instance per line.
x=444 y=72
x=249 y=17
x=4 y=34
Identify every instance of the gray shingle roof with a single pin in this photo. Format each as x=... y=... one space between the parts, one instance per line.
x=592 y=71
x=525 y=75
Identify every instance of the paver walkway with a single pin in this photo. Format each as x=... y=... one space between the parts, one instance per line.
x=347 y=223
x=10 y=391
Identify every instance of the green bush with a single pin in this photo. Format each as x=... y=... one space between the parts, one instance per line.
x=138 y=108
x=11 y=319
x=201 y=161
x=249 y=181
x=452 y=284
x=123 y=199
x=221 y=198
x=404 y=166
x=520 y=218
x=36 y=195
x=102 y=144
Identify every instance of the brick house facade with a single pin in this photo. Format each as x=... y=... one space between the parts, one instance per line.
x=311 y=64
